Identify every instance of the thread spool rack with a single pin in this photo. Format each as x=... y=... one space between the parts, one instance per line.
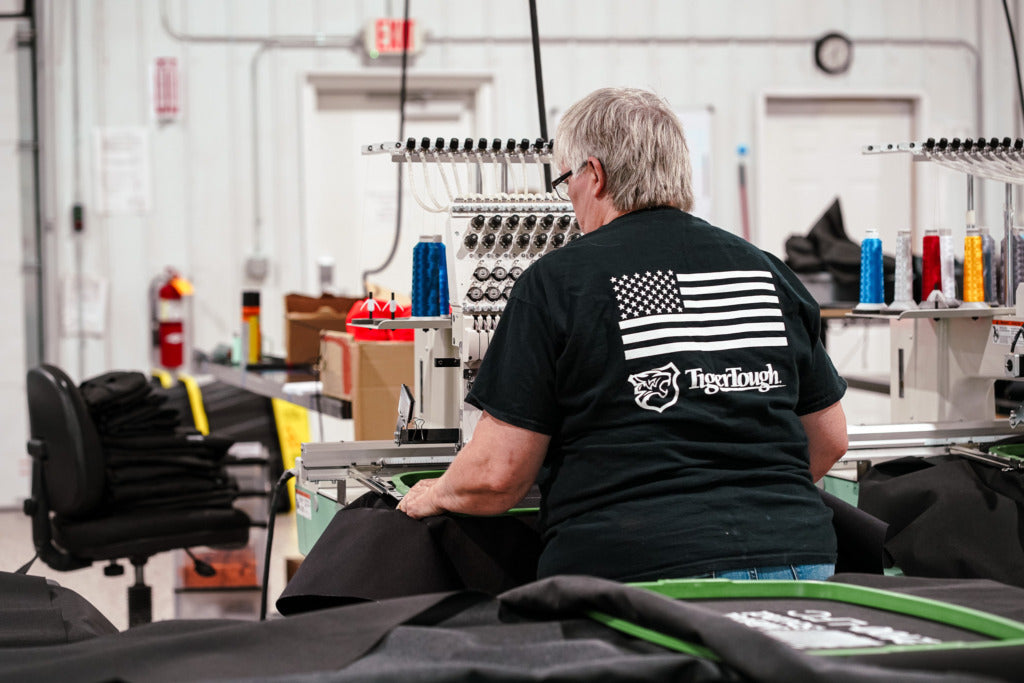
x=999 y=159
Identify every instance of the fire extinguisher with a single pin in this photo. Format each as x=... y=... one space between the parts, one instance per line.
x=171 y=320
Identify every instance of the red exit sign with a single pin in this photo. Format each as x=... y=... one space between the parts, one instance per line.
x=387 y=36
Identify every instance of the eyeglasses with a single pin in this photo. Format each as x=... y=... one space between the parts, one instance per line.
x=560 y=179
x=564 y=178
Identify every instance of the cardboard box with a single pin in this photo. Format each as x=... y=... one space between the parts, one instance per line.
x=369 y=374
x=305 y=317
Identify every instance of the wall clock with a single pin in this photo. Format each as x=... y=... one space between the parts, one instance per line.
x=833 y=53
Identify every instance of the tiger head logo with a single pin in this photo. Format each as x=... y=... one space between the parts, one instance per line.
x=656 y=389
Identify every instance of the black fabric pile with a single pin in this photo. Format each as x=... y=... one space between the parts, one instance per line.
x=949 y=517
x=150 y=461
x=370 y=551
x=543 y=631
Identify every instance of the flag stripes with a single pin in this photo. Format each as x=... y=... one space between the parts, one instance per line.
x=666 y=312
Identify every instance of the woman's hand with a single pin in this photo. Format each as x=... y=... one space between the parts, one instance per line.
x=419 y=501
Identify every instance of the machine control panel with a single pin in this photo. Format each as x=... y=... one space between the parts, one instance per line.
x=495 y=241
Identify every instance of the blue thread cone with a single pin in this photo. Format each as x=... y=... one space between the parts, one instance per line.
x=872 y=291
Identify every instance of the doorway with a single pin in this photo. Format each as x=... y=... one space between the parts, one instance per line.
x=350 y=198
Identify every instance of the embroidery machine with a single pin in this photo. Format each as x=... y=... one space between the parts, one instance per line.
x=491 y=237
x=944 y=362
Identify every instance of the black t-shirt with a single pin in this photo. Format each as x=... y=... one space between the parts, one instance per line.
x=670 y=361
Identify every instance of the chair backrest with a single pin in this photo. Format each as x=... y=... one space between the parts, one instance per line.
x=73 y=464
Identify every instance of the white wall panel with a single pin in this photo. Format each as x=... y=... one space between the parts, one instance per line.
x=13 y=425
x=202 y=218
x=203 y=221
x=10 y=211
x=8 y=82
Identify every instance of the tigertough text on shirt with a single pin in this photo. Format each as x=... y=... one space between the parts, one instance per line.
x=735 y=379
x=658 y=389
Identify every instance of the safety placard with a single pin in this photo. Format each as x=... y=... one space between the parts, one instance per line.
x=1003 y=331
x=303 y=504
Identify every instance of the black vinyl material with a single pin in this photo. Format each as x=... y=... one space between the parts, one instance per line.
x=949 y=517
x=860 y=537
x=371 y=551
x=36 y=612
x=538 y=632
x=754 y=655
x=220 y=649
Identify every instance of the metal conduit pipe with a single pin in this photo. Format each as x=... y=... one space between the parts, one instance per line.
x=321 y=41
x=718 y=41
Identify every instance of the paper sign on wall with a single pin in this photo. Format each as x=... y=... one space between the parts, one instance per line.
x=83 y=306
x=122 y=170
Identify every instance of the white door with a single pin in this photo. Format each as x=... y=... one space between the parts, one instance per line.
x=351 y=197
x=810 y=153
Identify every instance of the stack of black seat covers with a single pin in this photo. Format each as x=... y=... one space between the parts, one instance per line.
x=151 y=461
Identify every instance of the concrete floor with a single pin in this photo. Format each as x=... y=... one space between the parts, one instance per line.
x=110 y=594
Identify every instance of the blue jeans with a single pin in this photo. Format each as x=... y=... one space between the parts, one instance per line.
x=785 y=572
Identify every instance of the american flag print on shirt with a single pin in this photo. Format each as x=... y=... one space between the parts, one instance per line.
x=665 y=312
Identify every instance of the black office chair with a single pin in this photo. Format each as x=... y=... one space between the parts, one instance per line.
x=72 y=526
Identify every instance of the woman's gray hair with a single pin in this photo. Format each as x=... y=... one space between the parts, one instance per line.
x=640 y=144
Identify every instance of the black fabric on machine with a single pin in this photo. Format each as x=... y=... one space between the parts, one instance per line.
x=536 y=632
x=370 y=551
x=533 y=633
x=949 y=517
x=987 y=596
x=488 y=642
x=753 y=654
x=221 y=649
x=860 y=538
x=980 y=594
x=36 y=612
